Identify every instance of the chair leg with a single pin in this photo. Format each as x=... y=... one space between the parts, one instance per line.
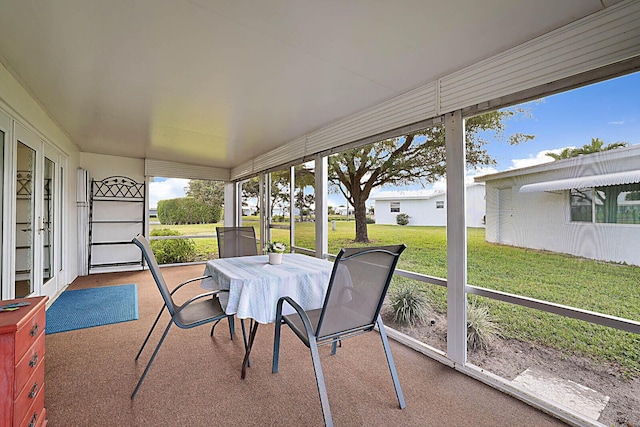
x=153 y=356
x=232 y=327
x=150 y=331
x=213 y=327
x=334 y=345
x=322 y=388
x=276 y=343
x=392 y=366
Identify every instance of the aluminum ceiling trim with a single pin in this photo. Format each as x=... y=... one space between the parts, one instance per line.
x=626 y=177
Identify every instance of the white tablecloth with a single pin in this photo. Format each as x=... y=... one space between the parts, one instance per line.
x=255 y=286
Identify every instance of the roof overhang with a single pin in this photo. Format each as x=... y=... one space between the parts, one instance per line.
x=617 y=178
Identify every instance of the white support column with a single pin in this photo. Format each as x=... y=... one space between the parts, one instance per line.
x=231 y=200
x=456 y=239
x=263 y=194
x=147 y=195
x=292 y=207
x=322 y=232
x=82 y=202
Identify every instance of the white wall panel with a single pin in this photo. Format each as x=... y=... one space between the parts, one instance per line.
x=595 y=41
x=166 y=169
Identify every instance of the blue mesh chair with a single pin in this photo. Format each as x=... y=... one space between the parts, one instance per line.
x=357 y=287
x=196 y=311
x=236 y=241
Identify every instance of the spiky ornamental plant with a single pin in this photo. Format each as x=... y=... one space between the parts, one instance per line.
x=409 y=305
x=481 y=329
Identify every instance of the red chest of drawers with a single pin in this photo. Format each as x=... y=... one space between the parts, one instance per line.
x=22 y=352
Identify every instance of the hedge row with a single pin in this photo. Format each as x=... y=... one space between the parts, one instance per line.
x=172 y=251
x=187 y=210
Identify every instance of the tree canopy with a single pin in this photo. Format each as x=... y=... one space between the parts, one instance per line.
x=414 y=158
x=208 y=192
x=595 y=146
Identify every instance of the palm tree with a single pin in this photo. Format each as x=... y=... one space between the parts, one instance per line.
x=566 y=153
x=597 y=145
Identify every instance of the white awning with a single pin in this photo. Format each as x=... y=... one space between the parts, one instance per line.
x=627 y=177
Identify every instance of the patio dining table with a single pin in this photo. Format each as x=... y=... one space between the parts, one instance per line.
x=255 y=286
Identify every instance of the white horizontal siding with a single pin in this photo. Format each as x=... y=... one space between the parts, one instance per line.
x=595 y=41
x=167 y=169
x=242 y=171
x=286 y=153
x=411 y=107
x=609 y=36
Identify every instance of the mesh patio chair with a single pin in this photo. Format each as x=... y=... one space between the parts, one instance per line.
x=196 y=311
x=357 y=287
x=236 y=241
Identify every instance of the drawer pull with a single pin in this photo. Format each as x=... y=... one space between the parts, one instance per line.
x=34 y=419
x=34 y=331
x=34 y=360
x=34 y=391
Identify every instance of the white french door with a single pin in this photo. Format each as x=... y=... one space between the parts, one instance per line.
x=35 y=211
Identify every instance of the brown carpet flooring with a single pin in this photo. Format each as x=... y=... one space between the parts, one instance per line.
x=195 y=380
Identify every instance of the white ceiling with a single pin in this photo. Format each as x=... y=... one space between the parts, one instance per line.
x=216 y=83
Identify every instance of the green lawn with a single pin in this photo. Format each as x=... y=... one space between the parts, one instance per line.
x=608 y=288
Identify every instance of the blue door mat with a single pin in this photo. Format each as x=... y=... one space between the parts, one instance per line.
x=86 y=308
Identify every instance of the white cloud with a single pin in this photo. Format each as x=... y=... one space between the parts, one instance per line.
x=539 y=158
x=170 y=188
x=619 y=122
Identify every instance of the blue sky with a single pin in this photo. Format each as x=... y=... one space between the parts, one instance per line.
x=608 y=110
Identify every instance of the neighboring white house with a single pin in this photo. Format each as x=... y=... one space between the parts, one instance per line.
x=342 y=210
x=552 y=206
x=429 y=208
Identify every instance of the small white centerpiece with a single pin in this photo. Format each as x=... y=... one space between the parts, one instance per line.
x=275 y=251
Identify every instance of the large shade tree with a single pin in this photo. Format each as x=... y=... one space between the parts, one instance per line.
x=607 y=196
x=414 y=158
x=212 y=192
x=209 y=192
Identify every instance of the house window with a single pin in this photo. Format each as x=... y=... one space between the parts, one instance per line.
x=613 y=204
x=395 y=207
x=581 y=205
x=439 y=204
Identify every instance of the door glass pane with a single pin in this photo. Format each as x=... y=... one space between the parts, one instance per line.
x=61 y=225
x=24 y=220
x=47 y=220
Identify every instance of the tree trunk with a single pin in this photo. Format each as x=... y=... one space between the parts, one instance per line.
x=360 y=213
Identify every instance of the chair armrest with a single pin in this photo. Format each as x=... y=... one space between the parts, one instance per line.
x=193 y=280
x=303 y=314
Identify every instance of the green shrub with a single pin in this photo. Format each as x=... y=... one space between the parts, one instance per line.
x=481 y=329
x=409 y=305
x=187 y=210
x=370 y=220
x=174 y=250
x=402 y=219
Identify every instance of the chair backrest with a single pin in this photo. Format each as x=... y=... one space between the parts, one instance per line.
x=358 y=285
x=236 y=241
x=143 y=244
